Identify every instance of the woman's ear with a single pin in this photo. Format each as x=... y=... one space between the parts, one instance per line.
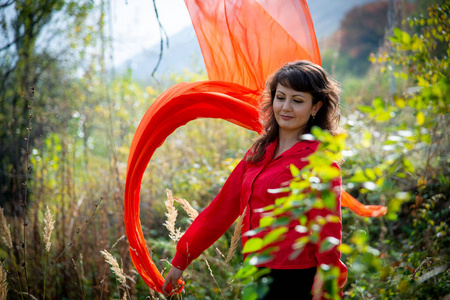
x=316 y=108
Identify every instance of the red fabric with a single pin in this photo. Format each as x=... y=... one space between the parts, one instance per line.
x=361 y=209
x=246 y=41
x=175 y=107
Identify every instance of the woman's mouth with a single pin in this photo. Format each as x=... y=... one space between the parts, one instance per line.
x=286 y=117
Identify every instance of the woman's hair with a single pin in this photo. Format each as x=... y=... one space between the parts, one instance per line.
x=302 y=76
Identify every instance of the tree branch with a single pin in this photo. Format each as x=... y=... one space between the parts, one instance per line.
x=162 y=33
x=7 y=4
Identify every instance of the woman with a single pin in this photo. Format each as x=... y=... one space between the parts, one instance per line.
x=298 y=96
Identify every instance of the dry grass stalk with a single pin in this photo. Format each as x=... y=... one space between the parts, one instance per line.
x=236 y=236
x=4 y=228
x=172 y=213
x=212 y=275
x=118 y=240
x=114 y=267
x=49 y=225
x=3 y=283
x=187 y=207
x=220 y=252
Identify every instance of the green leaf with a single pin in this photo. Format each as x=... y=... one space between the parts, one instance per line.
x=329 y=199
x=370 y=173
x=365 y=109
x=344 y=248
x=294 y=170
x=274 y=235
x=250 y=293
x=378 y=103
x=246 y=271
x=281 y=221
x=253 y=232
x=252 y=245
x=359 y=176
x=303 y=219
x=407 y=165
x=259 y=259
x=359 y=238
x=400 y=102
x=420 y=118
x=266 y=221
x=425 y=138
x=383 y=116
x=328 y=243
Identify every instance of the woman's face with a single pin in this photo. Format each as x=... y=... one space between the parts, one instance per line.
x=293 y=109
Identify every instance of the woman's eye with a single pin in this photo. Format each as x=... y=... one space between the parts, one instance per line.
x=298 y=101
x=280 y=98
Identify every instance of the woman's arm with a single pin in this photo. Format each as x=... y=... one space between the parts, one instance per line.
x=213 y=221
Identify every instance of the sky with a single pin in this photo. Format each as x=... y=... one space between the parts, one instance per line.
x=135 y=26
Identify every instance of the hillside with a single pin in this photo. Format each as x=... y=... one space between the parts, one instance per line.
x=184 y=52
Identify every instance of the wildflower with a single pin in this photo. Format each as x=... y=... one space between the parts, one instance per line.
x=49 y=225
x=6 y=237
x=114 y=266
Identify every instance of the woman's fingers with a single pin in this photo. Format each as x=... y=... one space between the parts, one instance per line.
x=171 y=281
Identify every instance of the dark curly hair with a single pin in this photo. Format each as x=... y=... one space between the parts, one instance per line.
x=303 y=76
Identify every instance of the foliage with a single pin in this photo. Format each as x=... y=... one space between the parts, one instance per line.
x=409 y=169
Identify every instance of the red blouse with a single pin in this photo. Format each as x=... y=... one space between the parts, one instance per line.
x=247 y=187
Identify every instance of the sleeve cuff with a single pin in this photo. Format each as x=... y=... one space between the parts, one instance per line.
x=180 y=261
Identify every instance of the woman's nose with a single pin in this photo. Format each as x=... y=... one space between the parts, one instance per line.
x=287 y=105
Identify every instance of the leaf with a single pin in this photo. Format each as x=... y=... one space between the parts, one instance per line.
x=303 y=219
x=253 y=232
x=329 y=199
x=260 y=259
x=359 y=237
x=400 y=102
x=246 y=271
x=359 y=176
x=370 y=173
x=250 y=293
x=344 y=248
x=301 y=229
x=365 y=109
x=252 y=245
x=420 y=118
x=266 y=221
x=425 y=138
x=407 y=165
x=294 y=170
x=274 y=236
x=328 y=243
x=378 y=103
x=383 y=116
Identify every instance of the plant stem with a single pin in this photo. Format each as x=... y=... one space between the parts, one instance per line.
x=25 y=203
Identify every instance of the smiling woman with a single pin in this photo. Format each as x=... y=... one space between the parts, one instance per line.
x=296 y=96
x=293 y=109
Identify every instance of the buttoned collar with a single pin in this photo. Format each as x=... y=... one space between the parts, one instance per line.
x=297 y=147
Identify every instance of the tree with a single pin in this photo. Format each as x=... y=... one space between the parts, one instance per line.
x=29 y=50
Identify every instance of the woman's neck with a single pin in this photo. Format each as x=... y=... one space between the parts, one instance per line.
x=285 y=141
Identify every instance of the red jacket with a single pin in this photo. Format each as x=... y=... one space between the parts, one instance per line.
x=247 y=187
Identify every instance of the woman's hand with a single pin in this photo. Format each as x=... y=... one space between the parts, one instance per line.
x=171 y=281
